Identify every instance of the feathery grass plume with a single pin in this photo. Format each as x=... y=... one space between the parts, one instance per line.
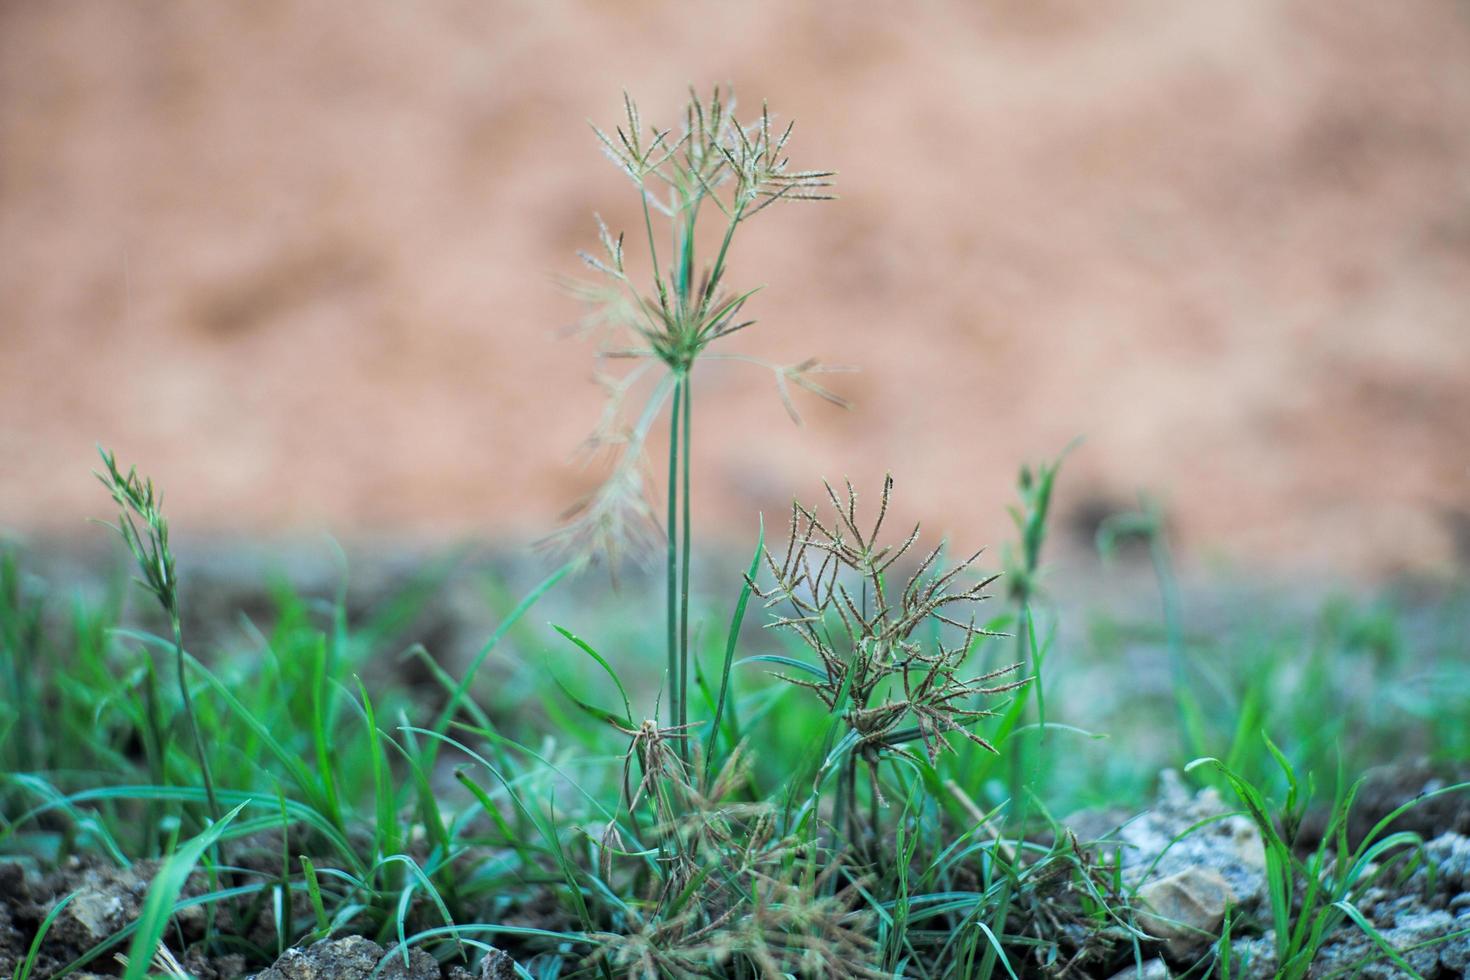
x=874 y=667
x=141 y=525
x=716 y=166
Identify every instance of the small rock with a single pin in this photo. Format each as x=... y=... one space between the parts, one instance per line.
x=1152 y=970
x=1169 y=838
x=106 y=900
x=1450 y=856
x=201 y=966
x=497 y=965
x=1185 y=909
x=350 y=958
x=1386 y=788
x=1349 y=952
x=1254 y=959
x=1421 y=929
x=1455 y=954
x=14 y=881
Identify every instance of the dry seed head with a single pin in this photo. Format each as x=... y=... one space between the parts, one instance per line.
x=613 y=521
x=865 y=634
x=740 y=169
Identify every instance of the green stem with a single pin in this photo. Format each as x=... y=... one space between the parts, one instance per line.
x=154 y=744
x=684 y=246
x=675 y=681
x=839 y=813
x=1019 y=750
x=215 y=813
x=718 y=269
x=658 y=278
x=684 y=575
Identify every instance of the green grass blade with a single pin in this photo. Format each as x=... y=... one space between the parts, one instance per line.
x=24 y=968
x=420 y=880
x=996 y=951
x=321 y=736
x=731 y=641
x=792 y=662
x=56 y=800
x=295 y=768
x=592 y=710
x=1288 y=769
x=158 y=906
x=586 y=648
x=314 y=893
x=1349 y=910
x=671 y=558
x=386 y=838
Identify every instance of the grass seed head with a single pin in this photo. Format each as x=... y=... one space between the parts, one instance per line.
x=833 y=579
x=713 y=166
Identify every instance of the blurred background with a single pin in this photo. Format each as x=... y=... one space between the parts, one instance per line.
x=298 y=261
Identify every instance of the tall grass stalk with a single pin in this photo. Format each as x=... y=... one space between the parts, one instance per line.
x=686 y=536
x=672 y=607
x=1023 y=573
x=137 y=501
x=739 y=170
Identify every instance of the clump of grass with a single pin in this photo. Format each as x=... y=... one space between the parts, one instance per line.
x=1311 y=894
x=878 y=667
x=713 y=166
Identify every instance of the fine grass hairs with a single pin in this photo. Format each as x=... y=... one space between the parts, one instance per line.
x=738 y=170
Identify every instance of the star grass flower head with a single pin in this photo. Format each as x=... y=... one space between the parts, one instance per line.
x=873 y=662
x=651 y=334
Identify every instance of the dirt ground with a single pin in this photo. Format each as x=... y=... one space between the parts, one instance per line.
x=297 y=259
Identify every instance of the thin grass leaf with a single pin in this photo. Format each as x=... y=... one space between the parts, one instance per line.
x=314 y=895
x=1349 y=910
x=772 y=658
x=995 y=952
x=386 y=837
x=607 y=668
x=158 y=905
x=24 y=968
x=731 y=640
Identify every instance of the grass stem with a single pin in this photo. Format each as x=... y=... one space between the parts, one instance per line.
x=686 y=535
x=215 y=813
x=675 y=680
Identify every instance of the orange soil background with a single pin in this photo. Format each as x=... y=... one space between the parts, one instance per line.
x=296 y=259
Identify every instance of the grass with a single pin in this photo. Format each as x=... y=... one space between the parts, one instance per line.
x=862 y=783
x=1311 y=895
x=585 y=851
x=714 y=163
